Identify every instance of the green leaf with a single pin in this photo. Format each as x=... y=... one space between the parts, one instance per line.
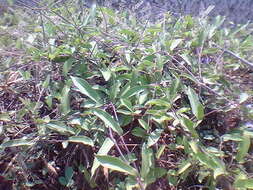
x=183 y=167
x=105 y=148
x=243 y=147
x=116 y=164
x=186 y=58
x=139 y=132
x=232 y=137
x=144 y=65
x=46 y=82
x=128 y=57
x=146 y=160
x=49 y=101
x=207 y=11
x=238 y=29
x=114 y=90
x=154 y=29
x=244 y=183
x=160 y=151
x=63 y=181
x=202 y=37
x=67 y=66
x=243 y=97
x=10 y=2
x=208 y=160
x=81 y=139
x=133 y=91
x=143 y=97
x=144 y=124
x=150 y=58
x=87 y=176
x=86 y=89
x=69 y=172
x=108 y=120
x=205 y=159
x=16 y=142
x=175 y=43
x=5 y=117
x=189 y=125
x=127 y=32
x=154 y=137
x=127 y=103
x=190 y=77
x=106 y=74
x=125 y=112
x=65 y=103
x=197 y=108
x=60 y=127
x=173 y=90
x=1 y=130
x=158 y=102
x=154 y=174
x=194 y=146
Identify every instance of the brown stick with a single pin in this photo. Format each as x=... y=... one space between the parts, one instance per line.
x=234 y=55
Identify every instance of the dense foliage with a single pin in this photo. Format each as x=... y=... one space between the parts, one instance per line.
x=94 y=99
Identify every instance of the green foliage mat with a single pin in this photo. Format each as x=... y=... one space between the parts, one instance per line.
x=95 y=99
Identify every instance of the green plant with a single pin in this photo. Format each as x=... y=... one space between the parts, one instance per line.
x=127 y=101
x=67 y=179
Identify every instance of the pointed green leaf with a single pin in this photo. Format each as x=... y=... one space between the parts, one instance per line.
x=189 y=125
x=69 y=172
x=159 y=102
x=154 y=137
x=5 y=117
x=105 y=148
x=173 y=90
x=133 y=91
x=46 y=82
x=127 y=103
x=244 y=183
x=183 y=167
x=243 y=97
x=65 y=103
x=208 y=160
x=194 y=147
x=186 y=58
x=139 y=132
x=81 y=139
x=114 y=90
x=146 y=160
x=108 y=120
x=144 y=124
x=197 y=108
x=202 y=37
x=63 y=181
x=116 y=164
x=143 y=97
x=160 y=151
x=154 y=174
x=175 y=43
x=243 y=147
x=232 y=137
x=16 y=142
x=67 y=66
x=106 y=74
x=60 y=127
x=86 y=89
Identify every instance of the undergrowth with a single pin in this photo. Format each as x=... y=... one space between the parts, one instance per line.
x=97 y=99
